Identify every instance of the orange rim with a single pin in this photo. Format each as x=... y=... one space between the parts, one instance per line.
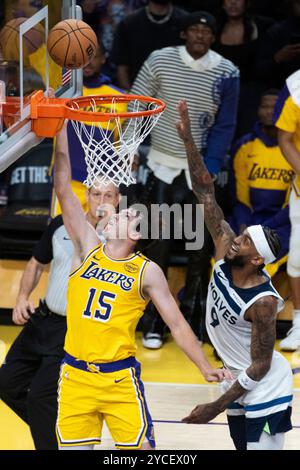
x=48 y=114
x=79 y=114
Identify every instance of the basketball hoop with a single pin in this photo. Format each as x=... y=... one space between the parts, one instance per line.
x=109 y=138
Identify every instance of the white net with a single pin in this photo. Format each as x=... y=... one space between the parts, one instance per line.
x=109 y=147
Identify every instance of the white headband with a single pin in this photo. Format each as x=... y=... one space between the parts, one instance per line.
x=261 y=244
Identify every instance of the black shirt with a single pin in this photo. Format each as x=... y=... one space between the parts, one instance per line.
x=137 y=36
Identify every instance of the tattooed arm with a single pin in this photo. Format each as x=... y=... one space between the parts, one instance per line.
x=203 y=185
x=263 y=317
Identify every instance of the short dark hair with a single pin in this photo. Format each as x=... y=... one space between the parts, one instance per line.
x=270 y=91
x=273 y=240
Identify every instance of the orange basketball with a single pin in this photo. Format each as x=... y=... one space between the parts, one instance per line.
x=9 y=39
x=72 y=44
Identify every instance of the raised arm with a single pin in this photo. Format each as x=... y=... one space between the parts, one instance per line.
x=263 y=317
x=203 y=184
x=81 y=232
x=157 y=289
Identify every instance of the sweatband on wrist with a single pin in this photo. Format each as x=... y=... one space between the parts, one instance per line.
x=246 y=382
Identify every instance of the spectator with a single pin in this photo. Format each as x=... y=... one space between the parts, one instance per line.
x=275 y=9
x=262 y=177
x=279 y=52
x=30 y=373
x=200 y=72
x=104 y=16
x=153 y=27
x=211 y=6
x=94 y=83
x=238 y=40
x=287 y=119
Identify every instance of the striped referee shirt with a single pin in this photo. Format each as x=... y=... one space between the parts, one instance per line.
x=56 y=247
x=211 y=90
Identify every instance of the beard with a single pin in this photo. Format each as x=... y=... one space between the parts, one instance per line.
x=237 y=261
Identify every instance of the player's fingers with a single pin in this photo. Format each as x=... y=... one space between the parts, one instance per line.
x=186 y=420
x=15 y=316
x=216 y=376
x=18 y=319
x=31 y=307
x=220 y=375
x=228 y=375
x=51 y=93
x=25 y=315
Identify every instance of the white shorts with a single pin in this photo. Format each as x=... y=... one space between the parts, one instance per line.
x=269 y=402
x=293 y=265
x=273 y=393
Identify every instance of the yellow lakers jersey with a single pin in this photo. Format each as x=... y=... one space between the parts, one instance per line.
x=287 y=115
x=104 y=304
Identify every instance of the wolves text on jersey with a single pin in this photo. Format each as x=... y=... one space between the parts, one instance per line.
x=219 y=308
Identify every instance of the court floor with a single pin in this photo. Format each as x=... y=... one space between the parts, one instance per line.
x=173 y=387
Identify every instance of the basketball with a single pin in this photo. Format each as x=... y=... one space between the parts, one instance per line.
x=72 y=44
x=9 y=39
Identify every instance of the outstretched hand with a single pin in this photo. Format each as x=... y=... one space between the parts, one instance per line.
x=202 y=414
x=183 y=126
x=217 y=375
x=51 y=93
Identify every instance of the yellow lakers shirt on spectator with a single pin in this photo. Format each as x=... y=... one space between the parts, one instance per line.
x=287 y=116
x=262 y=176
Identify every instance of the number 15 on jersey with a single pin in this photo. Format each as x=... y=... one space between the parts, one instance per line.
x=104 y=302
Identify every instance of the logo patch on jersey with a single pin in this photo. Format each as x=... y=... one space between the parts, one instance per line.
x=120 y=380
x=131 y=267
x=94 y=271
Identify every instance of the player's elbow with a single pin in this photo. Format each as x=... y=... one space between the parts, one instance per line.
x=181 y=331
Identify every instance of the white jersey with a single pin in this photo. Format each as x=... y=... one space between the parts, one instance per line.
x=230 y=334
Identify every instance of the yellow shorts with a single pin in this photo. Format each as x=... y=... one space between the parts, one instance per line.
x=86 y=399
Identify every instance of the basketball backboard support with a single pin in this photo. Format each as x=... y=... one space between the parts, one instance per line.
x=25 y=66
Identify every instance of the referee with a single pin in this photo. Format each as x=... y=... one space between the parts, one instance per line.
x=29 y=375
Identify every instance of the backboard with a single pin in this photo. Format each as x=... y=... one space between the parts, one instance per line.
x=25 y=66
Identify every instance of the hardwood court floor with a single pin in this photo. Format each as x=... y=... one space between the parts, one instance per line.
x=173 y=387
